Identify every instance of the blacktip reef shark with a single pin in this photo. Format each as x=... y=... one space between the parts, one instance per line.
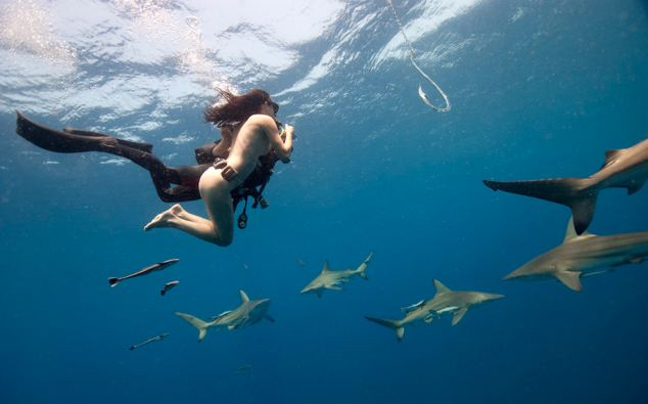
x=444 y=301
x=144 y=271
x=583 y=255
x=248 y=313
x=330 y=279
x=625 y=168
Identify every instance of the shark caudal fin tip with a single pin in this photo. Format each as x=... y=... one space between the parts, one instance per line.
x=113 y=282
x=490 y=184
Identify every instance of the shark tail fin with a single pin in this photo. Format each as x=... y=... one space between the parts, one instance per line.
x=196 y=322
x=572 y=192
x=113 y=282
x=395 y=325
x=362 y=269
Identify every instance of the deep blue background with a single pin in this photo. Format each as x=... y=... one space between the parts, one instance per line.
x=540 y=98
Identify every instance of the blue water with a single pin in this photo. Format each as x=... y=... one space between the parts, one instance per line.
x=539 y=90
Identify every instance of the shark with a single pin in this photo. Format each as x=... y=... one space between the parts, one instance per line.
x=583 y=255
x=248 y=313
x=623 y=168
x=330 y=279
x=445 y=301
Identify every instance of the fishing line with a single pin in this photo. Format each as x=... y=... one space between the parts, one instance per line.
x=421 y=93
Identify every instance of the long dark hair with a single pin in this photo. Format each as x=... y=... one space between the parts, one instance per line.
x=237 y=108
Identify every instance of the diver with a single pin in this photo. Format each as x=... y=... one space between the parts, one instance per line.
x=172 y=184
x=252 y=117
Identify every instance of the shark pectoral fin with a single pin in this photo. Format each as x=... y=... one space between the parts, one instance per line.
x=571 y=279
x=269 y=318
x=635 y=186
x=429 y=318
x=202 y=332
x=458 y=315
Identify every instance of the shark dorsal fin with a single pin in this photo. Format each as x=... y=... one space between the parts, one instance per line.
x=570 y=232
x=611 y=156
x=326 y=268
x=244 y=296
x=440 y=288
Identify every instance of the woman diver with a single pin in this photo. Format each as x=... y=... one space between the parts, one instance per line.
x=231 y=117
x=252 y=116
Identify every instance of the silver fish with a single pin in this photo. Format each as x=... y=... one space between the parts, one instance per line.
x=144 y=271
x=148 y=341
x=168 y=286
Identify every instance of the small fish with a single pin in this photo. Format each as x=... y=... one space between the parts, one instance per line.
x=412 y=307
x=148 y=341
x=168 y=286
x=245 y=368
x=145 y=271
x=300 y=262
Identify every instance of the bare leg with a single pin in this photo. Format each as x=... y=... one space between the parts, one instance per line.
x=215 y=192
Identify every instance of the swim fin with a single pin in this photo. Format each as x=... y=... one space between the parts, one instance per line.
x=71 y=140
x=147 y=147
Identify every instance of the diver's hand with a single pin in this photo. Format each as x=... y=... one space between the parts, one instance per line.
x=290 y=135
x=290 y=130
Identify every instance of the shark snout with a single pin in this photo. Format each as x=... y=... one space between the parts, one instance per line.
x=515 y=274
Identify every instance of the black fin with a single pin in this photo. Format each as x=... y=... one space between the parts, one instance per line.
x=559 y=190
x=70 y=140
x=146 y=147
x=583 y=211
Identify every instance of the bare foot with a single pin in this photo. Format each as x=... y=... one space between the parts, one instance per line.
x=165 y=218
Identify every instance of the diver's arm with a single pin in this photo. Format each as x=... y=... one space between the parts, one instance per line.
x=283 y=148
